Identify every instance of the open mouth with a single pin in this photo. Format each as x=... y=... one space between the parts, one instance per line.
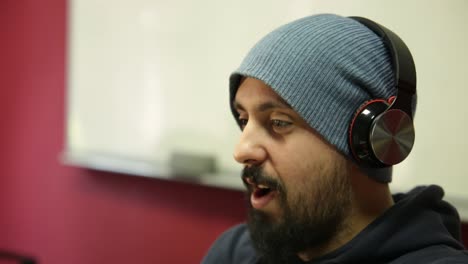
x=261 y=190
x=261 y=193
x=258 y=190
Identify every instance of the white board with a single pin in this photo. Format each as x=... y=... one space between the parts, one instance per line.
x=149 y=79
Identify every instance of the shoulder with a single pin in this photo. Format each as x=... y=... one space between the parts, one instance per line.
x=438 y=254
x=233 y=246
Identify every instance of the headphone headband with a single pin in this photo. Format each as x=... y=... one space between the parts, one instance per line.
x=403 y=63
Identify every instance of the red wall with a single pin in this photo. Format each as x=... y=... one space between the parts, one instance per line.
x=69 y=215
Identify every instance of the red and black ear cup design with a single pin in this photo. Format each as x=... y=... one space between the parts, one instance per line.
x=359 y=129
x=379 y=136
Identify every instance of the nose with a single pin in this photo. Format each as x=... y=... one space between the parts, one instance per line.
x=250 y=149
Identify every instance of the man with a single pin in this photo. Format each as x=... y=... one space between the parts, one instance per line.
x=296 y=96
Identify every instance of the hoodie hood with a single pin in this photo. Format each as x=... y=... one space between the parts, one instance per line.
x=418 y=220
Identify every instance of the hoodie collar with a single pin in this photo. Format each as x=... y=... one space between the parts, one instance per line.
x=418 y=219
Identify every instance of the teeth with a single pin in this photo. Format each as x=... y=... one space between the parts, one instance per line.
x=261 y=186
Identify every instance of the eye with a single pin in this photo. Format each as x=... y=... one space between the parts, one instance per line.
x=280 y=125
x=243 y=122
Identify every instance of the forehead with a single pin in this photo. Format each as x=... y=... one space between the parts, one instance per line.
x=254 y=92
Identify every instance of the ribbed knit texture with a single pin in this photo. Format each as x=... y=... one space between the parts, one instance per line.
x=325 y=66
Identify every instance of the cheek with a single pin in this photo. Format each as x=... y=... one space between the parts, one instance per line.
x=302 y=162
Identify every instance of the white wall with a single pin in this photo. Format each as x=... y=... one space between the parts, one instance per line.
x=149 y=78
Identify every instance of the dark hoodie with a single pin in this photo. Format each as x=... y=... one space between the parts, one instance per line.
x=419 y=228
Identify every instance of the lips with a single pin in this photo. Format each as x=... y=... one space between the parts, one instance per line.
x=261 y=193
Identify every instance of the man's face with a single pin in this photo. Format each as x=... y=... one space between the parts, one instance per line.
x=299 y=193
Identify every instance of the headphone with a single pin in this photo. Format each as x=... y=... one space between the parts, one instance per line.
x=381 y=133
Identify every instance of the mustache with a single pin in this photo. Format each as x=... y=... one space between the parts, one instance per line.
x=255 y=175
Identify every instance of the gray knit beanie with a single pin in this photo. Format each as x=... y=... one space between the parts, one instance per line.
x=325 y=66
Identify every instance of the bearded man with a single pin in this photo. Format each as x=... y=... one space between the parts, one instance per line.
x=325 y=104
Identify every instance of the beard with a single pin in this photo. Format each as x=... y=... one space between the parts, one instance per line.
x=310 y=216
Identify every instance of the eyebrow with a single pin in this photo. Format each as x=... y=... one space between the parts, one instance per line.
x=264 y=106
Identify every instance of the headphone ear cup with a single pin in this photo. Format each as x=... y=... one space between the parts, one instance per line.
x=392 y=136
x=359 y=132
